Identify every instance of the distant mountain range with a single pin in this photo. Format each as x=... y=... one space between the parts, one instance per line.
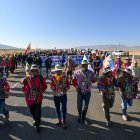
x=6 y=47
x=99 y=47
x=110 y=47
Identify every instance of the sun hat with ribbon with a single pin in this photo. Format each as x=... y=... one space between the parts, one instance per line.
x=58 y=67
x=107 y=69
x=127 y=58
x=69 y=57
x=128 y=71
x=84 y=62
x=34 y=67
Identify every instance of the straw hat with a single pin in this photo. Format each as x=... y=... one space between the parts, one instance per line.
x=127 y=58
x=118 y=56
x=34 y=67
x=58 y=67
x=128 y=71
x=69 y=57
x=107 y=69
x=84 y=62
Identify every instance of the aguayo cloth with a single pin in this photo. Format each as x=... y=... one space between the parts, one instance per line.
x=83 y=79
x=59 y=84
x=128 y=86
x=106 y=85
x=4 y=88
x=33 y=87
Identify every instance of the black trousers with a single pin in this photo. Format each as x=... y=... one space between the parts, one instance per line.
x=35 y=110
x=7 y=71
x=97 y=71
x=48 y=69
x=107 y=104
x=1 y=71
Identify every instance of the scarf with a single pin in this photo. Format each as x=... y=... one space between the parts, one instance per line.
x=58 y=78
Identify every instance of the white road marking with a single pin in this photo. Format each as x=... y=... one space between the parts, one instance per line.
x=16 y=84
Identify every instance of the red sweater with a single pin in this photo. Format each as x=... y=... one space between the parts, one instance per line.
x=39 y=85
x=6 y=85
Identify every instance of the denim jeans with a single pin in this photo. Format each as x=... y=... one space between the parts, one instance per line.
x=61 y=101
x=80 y=98
x=3 y=110
x=125 y=103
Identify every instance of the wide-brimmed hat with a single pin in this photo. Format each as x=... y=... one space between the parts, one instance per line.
x=57 y=67
x=93 y=51
x=34 y=67
x=127 y=70
x=118 y=56
x=84 y=62
x=127 y=58
x=107 y=69
x=69 y=57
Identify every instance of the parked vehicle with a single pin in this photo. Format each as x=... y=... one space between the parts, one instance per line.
x=119 y=52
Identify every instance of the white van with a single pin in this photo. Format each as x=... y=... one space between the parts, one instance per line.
x=118 y=52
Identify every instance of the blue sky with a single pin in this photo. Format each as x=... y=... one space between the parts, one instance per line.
x=69 y=23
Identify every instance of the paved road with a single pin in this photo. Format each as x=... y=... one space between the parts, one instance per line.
x=20 y=128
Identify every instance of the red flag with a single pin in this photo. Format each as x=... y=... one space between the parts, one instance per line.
x=28 y=50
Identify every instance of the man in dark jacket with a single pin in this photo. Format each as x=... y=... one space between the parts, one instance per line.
x=48 y=63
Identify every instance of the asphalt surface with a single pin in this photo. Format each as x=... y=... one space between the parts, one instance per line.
x=19 y=126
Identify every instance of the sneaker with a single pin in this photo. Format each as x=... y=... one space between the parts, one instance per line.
x=85 y=122
x=7 y=117
x=108 y=123
x=103 y=107
x=124 y=117
x=34 y=124
x=137 y=97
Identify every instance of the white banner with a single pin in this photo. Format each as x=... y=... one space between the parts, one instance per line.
x=77 y=58
x=57 y=59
